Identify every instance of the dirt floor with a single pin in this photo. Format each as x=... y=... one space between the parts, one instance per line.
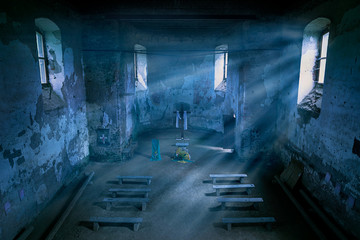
x=182 y=202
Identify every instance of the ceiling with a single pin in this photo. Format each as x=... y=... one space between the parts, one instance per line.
x=188 y=9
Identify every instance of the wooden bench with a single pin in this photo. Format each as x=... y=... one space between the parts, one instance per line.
x=114 y=191
x=254 y=201
x=233 y=175
x=97 y=220
x=267 y=220
x=109 y=201
x=247 y=186
x=121 y=178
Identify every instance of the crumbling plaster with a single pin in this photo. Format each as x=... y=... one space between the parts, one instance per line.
x=40 y=147
x=331 y=137
x=109 y=89
x=325 y=144
x=257 y=67
x=172 y=79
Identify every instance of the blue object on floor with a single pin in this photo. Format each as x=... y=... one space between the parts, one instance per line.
x=155 y=155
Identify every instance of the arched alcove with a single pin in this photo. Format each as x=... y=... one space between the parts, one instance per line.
x=140 y=67
x=51 y=36
x=220 y=71
x=311 y=54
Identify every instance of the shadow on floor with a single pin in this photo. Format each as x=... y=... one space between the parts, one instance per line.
x=219 y=208
x=89 y=225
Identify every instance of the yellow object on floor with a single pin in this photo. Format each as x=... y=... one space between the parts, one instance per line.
x=182 y=155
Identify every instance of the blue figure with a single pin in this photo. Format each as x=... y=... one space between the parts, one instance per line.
x=155 y=155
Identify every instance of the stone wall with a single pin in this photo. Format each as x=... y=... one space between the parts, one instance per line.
x=266 y=78
x=109 y=78
x=327 y=145
x=44 y=136
x=180 y=71
x=257 y=71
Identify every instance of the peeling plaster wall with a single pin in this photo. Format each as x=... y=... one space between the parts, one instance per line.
x=266 y=79
x=109 y=89
x=181 y=71
x=326 y=145
x=41 y=146
x=184 y=79
x=255 y=85
x=174 y=77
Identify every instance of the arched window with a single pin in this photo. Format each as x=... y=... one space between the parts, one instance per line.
x=50 y=56
x=41 y=58
x=140 y=67
x=221 y=62
x=313 y=65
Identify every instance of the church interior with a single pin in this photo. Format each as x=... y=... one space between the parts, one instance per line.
x=180 y=119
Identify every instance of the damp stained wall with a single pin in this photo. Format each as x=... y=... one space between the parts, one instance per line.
x=180 y=70
x=255 y=80
x=109 y=89
x=326 y=145
x=184 y=79
x=44 y=136
x=266 y=81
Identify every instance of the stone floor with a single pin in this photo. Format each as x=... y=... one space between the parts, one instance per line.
x=182 y=203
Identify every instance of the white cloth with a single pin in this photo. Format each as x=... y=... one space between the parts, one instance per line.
x=177 y=119
x=185 y=120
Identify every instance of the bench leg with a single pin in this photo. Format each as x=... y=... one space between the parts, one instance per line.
x=143 y=206
x=96 y=226
x=222 y=205
x=148 y=181
x=146 y=194
x=248 y=191
x=241 y=179
x=136 y=227
x=229 y=226
x=120 y=181
x=108 y=205
x=217 y=192
x=214 y=181
x=256 y=206
x=268 y=226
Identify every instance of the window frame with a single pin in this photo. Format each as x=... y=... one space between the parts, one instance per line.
x=226 y=59
x=135 y=67
x=141 y=50
x=224 y=51
x=318 y=66
x=42 y=59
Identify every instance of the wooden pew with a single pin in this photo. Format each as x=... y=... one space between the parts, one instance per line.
x=233 y=175
x=114 y=191
x=254 y=201
x=97 y=220
x=121 y=178
x=247 y=186
x=109 y=201
x=267 y=220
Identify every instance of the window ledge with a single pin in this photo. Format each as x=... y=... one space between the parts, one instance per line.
x=221 y=87
x=310 y=106
x=51 y=100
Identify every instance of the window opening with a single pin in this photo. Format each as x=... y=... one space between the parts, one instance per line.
x=322 y=59
x=41 y=57
x=140 y=67
x=221 y=64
